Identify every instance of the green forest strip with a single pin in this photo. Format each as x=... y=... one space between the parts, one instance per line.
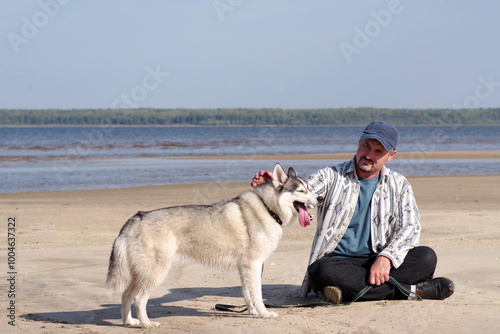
x=248 y=117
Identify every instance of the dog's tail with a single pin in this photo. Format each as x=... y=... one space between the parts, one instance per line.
x=119 y=278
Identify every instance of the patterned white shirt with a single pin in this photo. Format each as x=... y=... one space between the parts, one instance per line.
x=395 y=219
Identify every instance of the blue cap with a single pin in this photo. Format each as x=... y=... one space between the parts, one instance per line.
x=384 y=132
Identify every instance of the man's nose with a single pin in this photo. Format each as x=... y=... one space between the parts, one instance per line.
x=368 y=154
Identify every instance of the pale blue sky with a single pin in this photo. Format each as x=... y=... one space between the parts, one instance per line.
x=249 y=53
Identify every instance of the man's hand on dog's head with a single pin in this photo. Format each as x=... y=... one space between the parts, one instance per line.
x=261 y=177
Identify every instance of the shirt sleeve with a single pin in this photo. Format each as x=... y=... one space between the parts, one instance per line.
x=407 y=228
x=319 y=182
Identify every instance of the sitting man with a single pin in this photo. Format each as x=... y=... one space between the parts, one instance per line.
x=368 y=228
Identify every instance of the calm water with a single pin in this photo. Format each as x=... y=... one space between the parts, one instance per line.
x=60 y=158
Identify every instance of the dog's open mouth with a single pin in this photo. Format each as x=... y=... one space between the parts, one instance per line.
x=304 y=216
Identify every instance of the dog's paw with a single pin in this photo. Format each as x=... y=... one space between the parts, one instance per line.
x=253 y=311
x=151 y=324
x=132 y=322
x=269 y=315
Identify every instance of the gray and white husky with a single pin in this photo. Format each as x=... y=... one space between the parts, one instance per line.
x=241 y=232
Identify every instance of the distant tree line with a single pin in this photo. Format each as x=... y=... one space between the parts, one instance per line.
x=247 y=117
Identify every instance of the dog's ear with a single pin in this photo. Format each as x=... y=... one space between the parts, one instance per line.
x=291 y=172
x=279 y=176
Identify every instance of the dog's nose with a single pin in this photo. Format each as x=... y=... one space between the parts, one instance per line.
x=320 y=199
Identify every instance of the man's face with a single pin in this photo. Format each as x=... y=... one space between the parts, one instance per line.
x=371 y=157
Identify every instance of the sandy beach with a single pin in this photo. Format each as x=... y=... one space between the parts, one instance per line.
x=63 y=242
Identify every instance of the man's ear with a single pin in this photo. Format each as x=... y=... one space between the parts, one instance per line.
x=392 y=155
x=279 y=176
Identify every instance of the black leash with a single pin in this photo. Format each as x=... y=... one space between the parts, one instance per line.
x=243 y=308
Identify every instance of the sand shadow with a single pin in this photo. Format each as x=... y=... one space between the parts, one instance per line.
x=109 y=314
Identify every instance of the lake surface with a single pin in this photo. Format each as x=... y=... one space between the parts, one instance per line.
x=70 y=158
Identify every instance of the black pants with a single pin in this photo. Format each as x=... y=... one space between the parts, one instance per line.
x=350 y=275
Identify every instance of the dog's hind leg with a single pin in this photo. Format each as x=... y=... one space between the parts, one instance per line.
x=140 y=304
x=149 y=279
x=127 y=299
x=250 y=275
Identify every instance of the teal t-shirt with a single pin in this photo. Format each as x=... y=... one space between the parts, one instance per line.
x=356 y=241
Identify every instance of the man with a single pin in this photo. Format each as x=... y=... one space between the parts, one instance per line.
x=368 y=228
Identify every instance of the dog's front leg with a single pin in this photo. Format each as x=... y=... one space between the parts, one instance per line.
x=250 y=275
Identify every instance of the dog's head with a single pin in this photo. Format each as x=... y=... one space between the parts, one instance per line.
x=294 y=195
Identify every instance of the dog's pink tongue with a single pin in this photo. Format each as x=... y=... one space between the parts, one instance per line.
x=304 y=218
